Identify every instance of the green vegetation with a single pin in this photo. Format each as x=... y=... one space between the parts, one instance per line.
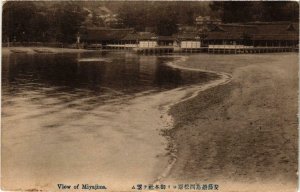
x=47 y=21
x=31 y=21
x=236 y=11
x=163 y=17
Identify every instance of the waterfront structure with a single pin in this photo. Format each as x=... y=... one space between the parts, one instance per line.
x=253 y=37
x=254 y=34
x=134 y=40
x=229 y=34
x=103 y=35
x=220 y=38
x=150 y=43
x=147 y=40
x=130 y=41
x=189 y=42
x=279 y=34
x=143 y=41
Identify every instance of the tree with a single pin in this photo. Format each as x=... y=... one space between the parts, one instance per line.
x=17 y=18
x=67 y=21
x=96 y=21
x=159 y=15
x=233 y=11
x=280 y=11
x=134 y=15
x=36 y=21
x=39 y=28
x=166 y=21
x=239 y=11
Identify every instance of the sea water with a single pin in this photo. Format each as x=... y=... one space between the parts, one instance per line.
x=86 y=118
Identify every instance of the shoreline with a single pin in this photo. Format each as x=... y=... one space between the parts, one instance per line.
x=41 y=50
x=210 y=148
x=134 y=124
x=196 y=89
x=169 y=122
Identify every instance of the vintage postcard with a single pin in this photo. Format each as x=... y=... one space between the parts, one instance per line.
x=149 y=96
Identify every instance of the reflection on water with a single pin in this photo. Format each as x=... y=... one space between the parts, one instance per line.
x=102 y=77
x=122 y=72
x=57 y=106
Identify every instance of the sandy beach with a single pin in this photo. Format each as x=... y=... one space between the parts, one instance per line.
x=242 y=135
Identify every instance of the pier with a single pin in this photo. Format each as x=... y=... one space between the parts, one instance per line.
x=121 y=46
x=249 y=50
x=210 y=49
x=192 y=50
x=154 y=50
x=243 y=38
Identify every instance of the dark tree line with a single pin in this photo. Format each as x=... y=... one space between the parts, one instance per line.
x=60 y=21
x=41 y=21
x=163 y=17
x=239 y=11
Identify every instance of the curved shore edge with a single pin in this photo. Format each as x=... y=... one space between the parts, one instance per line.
x=258 y=102
x=241 y=136
x=40 y=50
x=223 y=79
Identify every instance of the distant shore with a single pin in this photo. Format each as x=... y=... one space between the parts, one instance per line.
x=243 y=135
x=35 y=50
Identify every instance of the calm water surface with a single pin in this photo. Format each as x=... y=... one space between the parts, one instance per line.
x=67 y=117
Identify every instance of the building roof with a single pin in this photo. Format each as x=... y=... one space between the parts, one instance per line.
x=254 y=31
x=187 y=36
x=141 y=36
x=146 y=36
x=276 y=31
x=224 y=36
x=229 y=32
x=105 y=34
x=165 y=38
x=131 y=37
x=237 y=28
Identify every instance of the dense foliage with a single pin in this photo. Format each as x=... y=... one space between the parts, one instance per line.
x=163 y=17
x=28 y=21
x=237 y=11
x=48 y=21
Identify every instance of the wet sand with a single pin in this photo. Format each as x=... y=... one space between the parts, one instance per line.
x=243 y=135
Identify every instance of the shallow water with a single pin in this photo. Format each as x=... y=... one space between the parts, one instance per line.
x=85 y=118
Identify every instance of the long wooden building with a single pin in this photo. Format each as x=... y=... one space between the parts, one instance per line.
x=215 y=37
x=103 y=35
x=254 y=34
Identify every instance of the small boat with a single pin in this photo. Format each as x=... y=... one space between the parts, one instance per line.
x=95 y=60
x=42 y=50
x=18 y=51
x=94 y=46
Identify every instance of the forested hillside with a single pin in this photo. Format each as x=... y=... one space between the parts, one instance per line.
x=60 y=21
